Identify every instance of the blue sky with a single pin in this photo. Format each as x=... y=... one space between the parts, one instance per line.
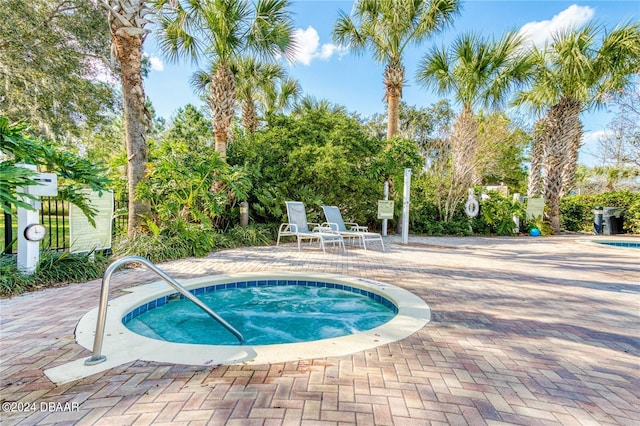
x=327 y=72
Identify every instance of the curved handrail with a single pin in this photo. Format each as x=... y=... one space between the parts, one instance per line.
x=97 y=357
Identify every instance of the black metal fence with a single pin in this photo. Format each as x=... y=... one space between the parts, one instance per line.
x=54 y=215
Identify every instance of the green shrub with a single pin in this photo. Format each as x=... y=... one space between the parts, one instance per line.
x=55 y=268
x=183 y=239
x=319 y=157
x=496 y=215
x=252 y=235
x=576 y=212
x=460 y=225
x=178 y=239
x=538 y=223
x=632 y=217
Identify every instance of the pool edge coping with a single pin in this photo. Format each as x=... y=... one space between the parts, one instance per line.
x=122 y=345
x=601 y=241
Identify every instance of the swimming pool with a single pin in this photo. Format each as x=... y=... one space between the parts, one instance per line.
x=122 y=345
x=625 y=244
x=264 y=311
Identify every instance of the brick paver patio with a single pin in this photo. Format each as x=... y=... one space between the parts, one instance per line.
x=524 y=331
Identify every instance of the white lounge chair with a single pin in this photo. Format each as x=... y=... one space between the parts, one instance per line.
x=299 y=227
x=355 y=231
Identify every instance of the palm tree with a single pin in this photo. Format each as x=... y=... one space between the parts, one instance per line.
x=311 y=103
x=575 y=73
x=534 y=188
x=251 y=77
x=127 y=21
x=218 y=32
x=262 y=85
x=387 y=27
x=479 y=73
x=281 y=97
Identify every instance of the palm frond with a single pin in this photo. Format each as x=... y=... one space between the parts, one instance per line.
x=200 y=81
x=346 y=34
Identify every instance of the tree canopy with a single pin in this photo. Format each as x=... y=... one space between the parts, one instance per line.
x=52 y=56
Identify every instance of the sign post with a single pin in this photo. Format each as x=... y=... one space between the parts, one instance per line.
x=30 y=231
x=385 y=219
x=535 y=208
x=406 y=201
x=83 y=236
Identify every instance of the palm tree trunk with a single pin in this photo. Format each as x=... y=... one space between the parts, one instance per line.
x=571 y=164
x=537 y=157
x=562 y=129
x=393 y=80
x=128 y=48
x=223 y=99
x=463 y=151
x=249 y=116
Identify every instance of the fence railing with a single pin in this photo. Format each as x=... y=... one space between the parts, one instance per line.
x=54 y=215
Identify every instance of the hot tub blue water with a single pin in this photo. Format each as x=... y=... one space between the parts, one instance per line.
x=265 y=312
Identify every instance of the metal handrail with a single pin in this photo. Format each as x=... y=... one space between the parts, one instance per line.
x=104 y=299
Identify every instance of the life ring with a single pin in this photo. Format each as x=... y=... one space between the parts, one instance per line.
x=471 y=208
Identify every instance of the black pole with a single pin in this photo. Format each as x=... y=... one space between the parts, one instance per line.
x=8 y=231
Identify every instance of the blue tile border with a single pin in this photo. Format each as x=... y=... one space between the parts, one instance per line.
x=156 y=303
x=619 y=244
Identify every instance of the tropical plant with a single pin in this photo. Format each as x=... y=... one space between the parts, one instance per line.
x=574 y=73
x=55 y=268
x=127 y=21
x=251 y=76
x=540 y=223
x=261 y=85
x=218 y=33
x=387 y=28
x=497 y=214
x=479 y=73
x=178 y=187
x=281 y=97
x=308 y=104
x=74 y=173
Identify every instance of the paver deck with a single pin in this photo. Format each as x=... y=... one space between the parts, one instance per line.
x=523 y=331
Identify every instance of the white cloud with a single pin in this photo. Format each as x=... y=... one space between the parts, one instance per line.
x=592 y=139
x=590 y=151
x=309 y=47
x=539 y=32
x=156 y=63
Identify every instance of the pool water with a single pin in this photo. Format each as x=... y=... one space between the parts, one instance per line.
x=620 y=244
x=264 y=315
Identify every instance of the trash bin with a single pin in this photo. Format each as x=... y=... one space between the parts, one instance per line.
x=612 y=221
x=598 y=213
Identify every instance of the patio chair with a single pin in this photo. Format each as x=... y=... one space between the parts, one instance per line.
x=299 y=227
x=354 y=231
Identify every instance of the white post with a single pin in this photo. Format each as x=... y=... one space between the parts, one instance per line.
x=30 y=231
x=406 y=200
x=386 y=198
x=28 y=251
x=516 y=219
